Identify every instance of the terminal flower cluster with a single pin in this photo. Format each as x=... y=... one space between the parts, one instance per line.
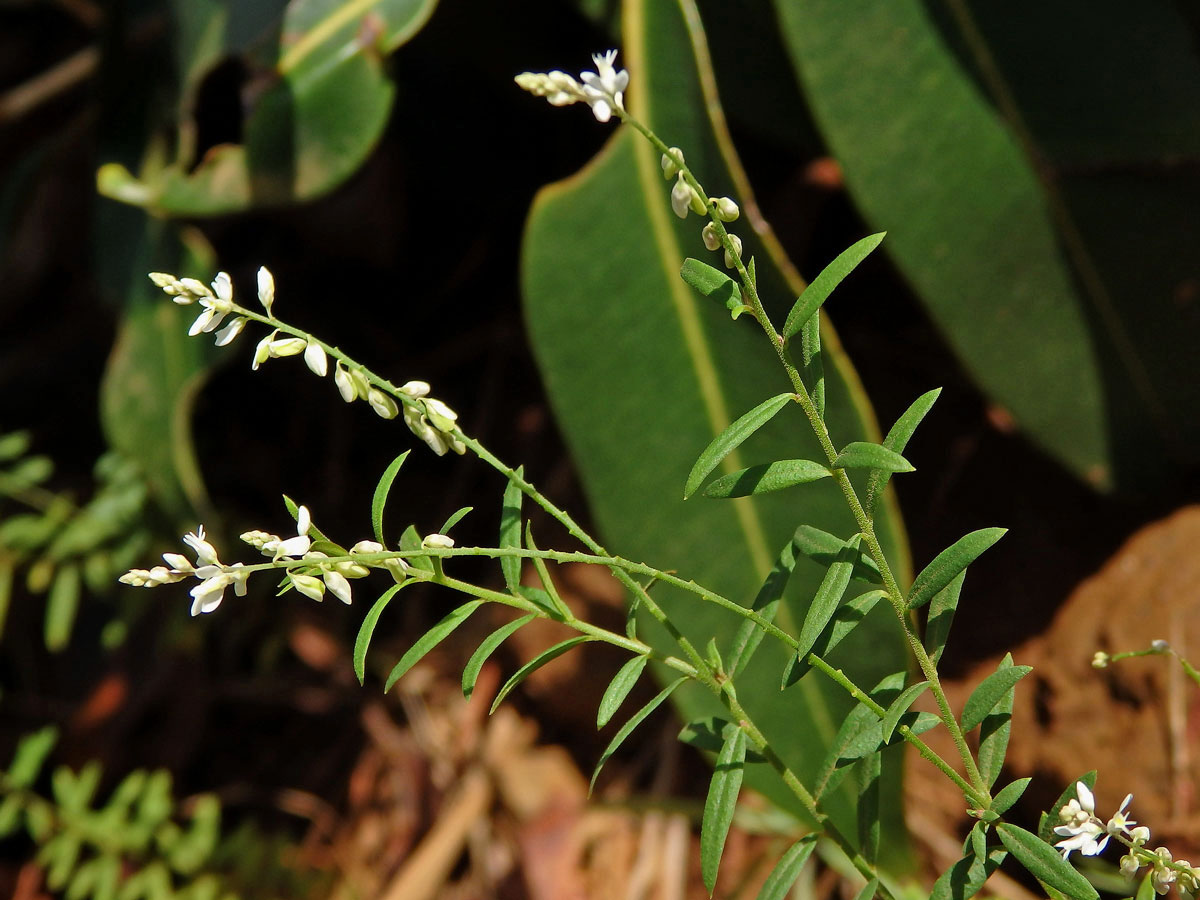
x=312 y=580
x=603 y=90
x=429 y=419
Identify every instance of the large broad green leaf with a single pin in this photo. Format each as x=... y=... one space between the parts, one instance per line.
x=315 y=105
x=643 y=373
x=1022 y=162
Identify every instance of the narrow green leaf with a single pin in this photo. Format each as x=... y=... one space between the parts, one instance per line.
x=1009 y=795
x=871 y=887
x=819 y=289
x=947 y=564
x=411 y=540
x=10 y=814
x=510 y=530
x=869 y=772
x=985 y=697
x=536 y=663
x=634 y=721
x=558 y=609
x=941 y=616
x=367 y=629
x=866 y=455
x=823 y=548
x=776 y=476
x=858 y=736
x=429 y=640
x=61 y=607
x=766 y=603
x=788 y=869
x=848 y=617
x=1044 y=862
x=486 y=649
x=14 y=444
x=454 y=520
x=813 y=370
x=1146 y=890
x=619 y=688
x=966 y=877
x=897 y=439
x=729 y=439
x=829 y=595
x=900 y=706
x=382 y=489
x=1050 y=819
x=722 y=797
x=994 y=732
x=710 y=282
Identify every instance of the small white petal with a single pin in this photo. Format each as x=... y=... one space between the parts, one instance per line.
x=223 y=287
x=415 y=389
x=178 y=562
x=367 y=547
x=1086 y=799
x=337 y=583
x=296 y=546
x=230 y=331
x=309 y=586
x=384 y=405
x=292 y=346
x=303 y=520
x=266 y=288
x=344 y=383
x=315 y=359
x=262 y=352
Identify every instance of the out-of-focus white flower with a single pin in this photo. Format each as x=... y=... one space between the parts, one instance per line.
x=604 y=87
x=266 y=288
x=670 y=168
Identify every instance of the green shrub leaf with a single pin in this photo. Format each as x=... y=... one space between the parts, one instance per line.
x=536 y=663
x=510 y=530
x=731 y=438
x=788 y=869
x=634 y=721
x=819 y=289
x=994 y=733
x=776 y=476
x=899 y=707
x=382 y=489
x=619 y=688
x=367 y=629
x=1009 y=795
x=947 y=564
x=941 y=616
x=896 y=440
x=722 y=797
x=1045 y=863
x=429 y=640
x=486 y=649
x=866 y=455
x=989 y=692
x=710 y=282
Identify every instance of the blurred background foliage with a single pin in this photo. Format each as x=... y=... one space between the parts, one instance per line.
x=1036 y=170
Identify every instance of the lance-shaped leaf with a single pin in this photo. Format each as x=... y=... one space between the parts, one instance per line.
x=1045 y=863
x=828 y=596
x=710 y=282
x=61 y=605
x=994 y=732
x=823 y=548
x=429 y=640
x=865 y=455
x=870 y=770
x=731 y=438
x=831 y=276
x=708 y=734
x=849 y=616
x=788 y=869
x=949 y=563
x=379 y=498
x=29 y=757
x=813 y=369
x=775 y=476
x=989 y=692
x=510 y=530
x=966 y=878
x=722 y=797
x=899 y=707
x=536 y=663
x=365 y=631
x=896 y=440
x=766 y=603
x=941 y=616
x=1009 y=795
x=618 y=689
x=486 y=648
x=634 y=721
x=454 y=519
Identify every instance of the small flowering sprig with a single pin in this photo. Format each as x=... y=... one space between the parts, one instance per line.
x=428 y=418
x=1084 y=831
x=1160 y=647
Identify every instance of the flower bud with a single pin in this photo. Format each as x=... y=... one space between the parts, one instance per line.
x=698 y=206
x=315 y=359
x=344 y=383
x=262 y=352
x=725 y=209
x=681 y=198
x=737 y=246
x=440 y=415
x=266 y=288
x=437 y=542
x=415 y=389
x=367 y=547
x=384 y=405
x=709 y=236
x=291 y=346
x=309 y=586
x=669 y=167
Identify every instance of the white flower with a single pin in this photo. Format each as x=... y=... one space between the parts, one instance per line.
x=216 y=308
x=708 y=234
x=437 y=542
x=669 y=167
x=367 y=547
x=415 y=389
x=419 y=425
x=604 y=87
x=262 y=352
x=295 y=546
x=1139 y=835
x=1119 y=821
x=729 y=257
x=681 y=197
x=206 y=554
x=726 y=210
x=289 y=346
x=440 y=415
x=315 y=359
x=384 y=405
x=309 y=586
x=1082 y=839
x=559 y=88
x=334 y=580
x=230 y=331
x=1130 y=863
x=266 y=288
x=207 y=595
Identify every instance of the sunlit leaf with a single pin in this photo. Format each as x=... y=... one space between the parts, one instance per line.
x=719 y=806
x=487 y=648
x=618 y=689
x=776 y=476
x=634 y=721
x=1044 y=862
x=429 y=640
x=365 y=631
x=822 y=286
x=379 y=498
x=536 y=663
x=731 y=438
x=989 y=692
x=949 y=563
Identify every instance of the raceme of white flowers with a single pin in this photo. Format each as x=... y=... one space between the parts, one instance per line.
x=318 y=574
x=429 y=419
x=1082 y=830
x=602 y=90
